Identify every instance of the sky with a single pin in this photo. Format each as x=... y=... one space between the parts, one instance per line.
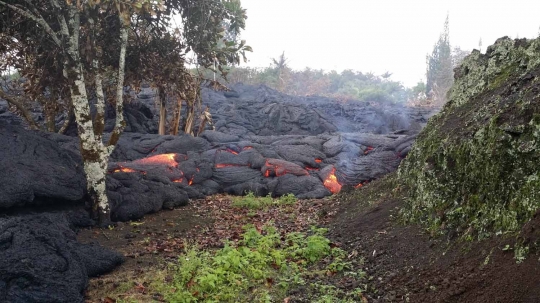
x=378 y=35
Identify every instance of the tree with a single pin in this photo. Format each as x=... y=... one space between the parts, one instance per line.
x=280 y=67
x=77 y=48
x=211 y=30
x=458 y=55
x=439 y=74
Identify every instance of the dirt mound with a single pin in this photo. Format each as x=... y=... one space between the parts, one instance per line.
x=408 y=265
x=475 y=167
x=43 y=262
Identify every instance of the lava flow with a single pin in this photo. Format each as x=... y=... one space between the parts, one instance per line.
x=361 y=184
x=278 y=168
x=331 y=182
x=124 y=170
x=232 y=151
x=162 y=159
x=368 y=149
x=223 y=165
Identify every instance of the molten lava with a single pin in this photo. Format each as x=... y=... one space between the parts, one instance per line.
x=278 y=168
x=369 y=148
x=331 y=182
x=311 y=168
x=362 y=184
x=124 y=170
x=163 y=159
x=232 y=151
x=190 y=181
x=247 y=147
x=318 y=160
x=223 y=165
x=178 y=180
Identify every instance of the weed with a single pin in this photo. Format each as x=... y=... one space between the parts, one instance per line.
x=288 y=199
x=250 y=201
x=520 y=253
x=261 y=267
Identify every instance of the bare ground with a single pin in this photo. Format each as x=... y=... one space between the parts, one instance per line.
x=403 y=263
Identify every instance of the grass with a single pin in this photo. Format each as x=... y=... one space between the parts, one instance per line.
x=262 y=267
x=250 y=201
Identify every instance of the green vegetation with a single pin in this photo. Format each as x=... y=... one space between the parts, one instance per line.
x=347 y=85
x=252 y=202
x=474 y=169
x=262 y=267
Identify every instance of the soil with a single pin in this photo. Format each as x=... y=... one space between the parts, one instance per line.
x=158 y=239
x=403 y=262
x=133 y=240
x=407 y=265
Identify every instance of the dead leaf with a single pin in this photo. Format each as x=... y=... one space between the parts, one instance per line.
x=139 y=287
x=190 y=283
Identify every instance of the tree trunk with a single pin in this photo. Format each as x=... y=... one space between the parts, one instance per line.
x=175 y=125
x=120 y=124
x=190 y=119
x=50 y=116
x=162 y=111
x=94 y=154
x=99 y=120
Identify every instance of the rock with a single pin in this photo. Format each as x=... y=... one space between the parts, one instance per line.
x=36 y=169
x=474 y=167
x=43 y=262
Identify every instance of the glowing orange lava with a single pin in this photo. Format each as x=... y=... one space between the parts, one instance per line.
x=124 y=170
x=331 y=182
x=190 y=181
x=247 y=147
x=318 y=160
x=359 y=185
x=278 y=168
x=311 y=168
x=178 y=180
x=232 y=151
x=164 y=159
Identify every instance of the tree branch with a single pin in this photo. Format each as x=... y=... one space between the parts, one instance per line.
x=39 y=20
x=70 y=117
x=21 y=108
